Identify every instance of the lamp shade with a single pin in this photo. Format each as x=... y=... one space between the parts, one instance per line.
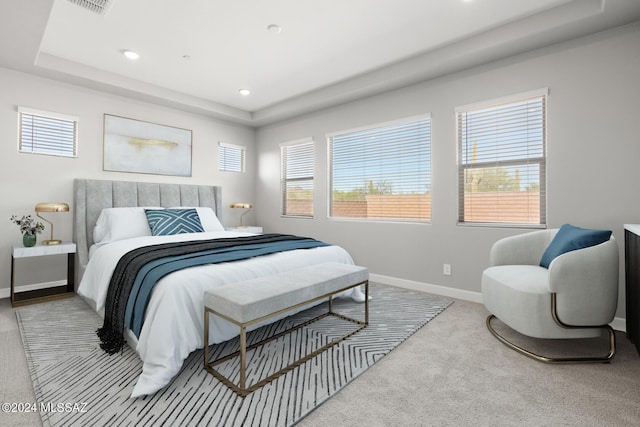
x=52 y=207
x=241 y=205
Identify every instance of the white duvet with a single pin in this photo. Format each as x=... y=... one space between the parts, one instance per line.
x=173 y=325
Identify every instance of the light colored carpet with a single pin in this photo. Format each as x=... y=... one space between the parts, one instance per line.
x=451 y=372
x=454 y=372
x=67 y=365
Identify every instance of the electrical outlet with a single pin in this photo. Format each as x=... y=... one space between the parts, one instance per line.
x=446 y=269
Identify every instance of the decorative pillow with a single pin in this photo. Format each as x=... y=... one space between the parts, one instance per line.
x=121 y=223
x=164 y=222
x=208 y=218
x=570 y=238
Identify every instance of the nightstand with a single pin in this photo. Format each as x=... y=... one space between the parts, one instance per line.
x=46 y=294
x=246 y=229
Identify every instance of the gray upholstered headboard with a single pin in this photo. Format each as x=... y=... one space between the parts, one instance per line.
x=91 y=196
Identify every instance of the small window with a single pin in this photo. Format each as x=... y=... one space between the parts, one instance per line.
x=42 y=132
x=231 y=157
x=297 y=165
x=501 y=161
x=383 y=172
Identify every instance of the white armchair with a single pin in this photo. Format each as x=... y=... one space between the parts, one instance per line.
x=576 y=297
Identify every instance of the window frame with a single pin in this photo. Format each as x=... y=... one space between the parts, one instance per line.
x=379 y=125
x=284 y=180
x=541 y=161
x=223 y=146
x=42 y=114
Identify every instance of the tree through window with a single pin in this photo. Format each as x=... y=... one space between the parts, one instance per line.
x=501 y=161
x=382 y=172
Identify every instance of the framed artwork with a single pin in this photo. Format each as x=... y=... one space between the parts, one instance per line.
x=142 y=147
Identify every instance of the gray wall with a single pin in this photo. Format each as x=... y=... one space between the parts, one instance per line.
x=593 y=147
x=28 y=179
x=593 y=154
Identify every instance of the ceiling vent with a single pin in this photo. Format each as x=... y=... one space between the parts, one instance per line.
x=96 y=6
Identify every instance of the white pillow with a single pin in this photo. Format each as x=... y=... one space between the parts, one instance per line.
x=121 y=223
x=208 y=218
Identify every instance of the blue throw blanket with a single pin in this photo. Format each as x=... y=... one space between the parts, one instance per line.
x=139 y=270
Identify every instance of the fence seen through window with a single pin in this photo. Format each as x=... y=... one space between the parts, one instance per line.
x=382 y=172
x=501 y=161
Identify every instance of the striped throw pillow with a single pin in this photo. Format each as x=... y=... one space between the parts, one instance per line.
x=164 y=222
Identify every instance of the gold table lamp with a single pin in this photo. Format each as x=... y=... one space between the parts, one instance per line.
x=246 y=206
x=51 y=207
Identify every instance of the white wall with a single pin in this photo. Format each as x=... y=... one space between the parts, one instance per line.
x=593 y=155
x=29 y=179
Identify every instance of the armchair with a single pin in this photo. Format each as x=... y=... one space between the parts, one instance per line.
x=575 y=297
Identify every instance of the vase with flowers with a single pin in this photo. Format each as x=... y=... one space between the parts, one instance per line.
x=28 y=227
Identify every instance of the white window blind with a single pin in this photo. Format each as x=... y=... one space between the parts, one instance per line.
x=382 y=172
x=231 y=157
x=42 y=132
x=501 y=158
x=297 y=163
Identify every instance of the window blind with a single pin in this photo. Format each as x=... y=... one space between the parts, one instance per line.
x=297 y=160
x=382 y=172
x=47 y=133
x=231 y=157
x=502 y=158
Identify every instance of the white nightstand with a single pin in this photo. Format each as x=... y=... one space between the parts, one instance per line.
x=246 y=229
x=46 y=294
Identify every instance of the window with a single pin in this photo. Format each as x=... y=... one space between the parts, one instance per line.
x=382 y=172
x=42 y=132
x=231 y=157
x=501 y=161
x=297 y=162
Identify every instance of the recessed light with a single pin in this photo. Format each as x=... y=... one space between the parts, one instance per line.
x=275 y=29
x=244 y=92
x=131 y=54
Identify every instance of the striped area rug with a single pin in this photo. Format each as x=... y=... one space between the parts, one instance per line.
x=76 y=383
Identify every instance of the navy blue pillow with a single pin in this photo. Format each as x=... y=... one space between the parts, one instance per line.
x=173 y=221
x=569 y=238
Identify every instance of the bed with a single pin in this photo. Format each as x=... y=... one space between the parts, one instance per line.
x=174 y=319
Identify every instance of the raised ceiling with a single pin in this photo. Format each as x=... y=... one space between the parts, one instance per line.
x=196 y=54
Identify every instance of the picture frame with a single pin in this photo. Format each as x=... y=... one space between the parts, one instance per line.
x=137 y=146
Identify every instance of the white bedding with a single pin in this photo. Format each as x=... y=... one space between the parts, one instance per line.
x=173 y=325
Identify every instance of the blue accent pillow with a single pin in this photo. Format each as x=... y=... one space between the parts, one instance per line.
x=570 y=238
x=164 y=222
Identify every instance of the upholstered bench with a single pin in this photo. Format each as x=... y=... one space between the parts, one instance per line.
x=252 y=301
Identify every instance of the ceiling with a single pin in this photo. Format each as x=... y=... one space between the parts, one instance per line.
x=196 y=54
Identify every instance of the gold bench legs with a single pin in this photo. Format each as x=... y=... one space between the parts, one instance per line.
x=242 y=389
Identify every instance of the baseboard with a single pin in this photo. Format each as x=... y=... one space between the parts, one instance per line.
x=618 y=324
x=427 y=287
x=6 y=292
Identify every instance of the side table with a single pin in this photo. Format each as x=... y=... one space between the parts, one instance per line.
x=45 y=294
x=246 y=229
